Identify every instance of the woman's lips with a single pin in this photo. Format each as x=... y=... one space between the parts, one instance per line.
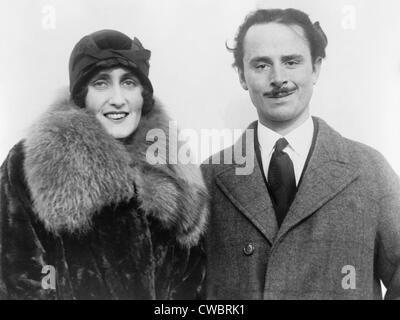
x=116 y=115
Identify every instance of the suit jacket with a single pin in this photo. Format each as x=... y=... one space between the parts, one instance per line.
x=340 y=237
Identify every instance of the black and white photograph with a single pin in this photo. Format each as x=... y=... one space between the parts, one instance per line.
x=199 y=150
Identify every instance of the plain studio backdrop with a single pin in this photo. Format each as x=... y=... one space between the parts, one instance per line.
x=358 y=92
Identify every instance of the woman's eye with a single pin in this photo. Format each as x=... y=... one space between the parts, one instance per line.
x=130 y=83
x=99 y=84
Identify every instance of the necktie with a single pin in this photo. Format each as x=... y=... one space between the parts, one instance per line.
x=281 y=180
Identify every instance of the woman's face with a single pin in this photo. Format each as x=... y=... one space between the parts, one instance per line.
x=115 y=96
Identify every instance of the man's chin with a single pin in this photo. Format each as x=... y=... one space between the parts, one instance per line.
x=280 y=115
x=282 y=120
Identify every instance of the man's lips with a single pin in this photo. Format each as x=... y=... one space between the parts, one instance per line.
x=279 y=94
x=116 y=115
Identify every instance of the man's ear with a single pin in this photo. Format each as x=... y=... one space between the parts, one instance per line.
x=316 y=69
x=242 y=80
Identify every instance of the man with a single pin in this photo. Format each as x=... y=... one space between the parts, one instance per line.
x=319 y=216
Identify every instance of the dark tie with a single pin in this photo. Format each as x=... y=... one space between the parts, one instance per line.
x=281 y=180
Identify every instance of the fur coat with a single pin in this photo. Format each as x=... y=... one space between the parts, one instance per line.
x=90 y=211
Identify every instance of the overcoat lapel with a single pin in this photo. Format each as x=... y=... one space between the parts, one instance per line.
x=249 y=192
x=327 y=174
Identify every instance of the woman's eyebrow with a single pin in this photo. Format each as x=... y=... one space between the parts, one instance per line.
x=129 y=75
x=101 y=75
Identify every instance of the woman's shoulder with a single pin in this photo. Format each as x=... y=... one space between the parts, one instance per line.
x=13 y=186
x=13 y=165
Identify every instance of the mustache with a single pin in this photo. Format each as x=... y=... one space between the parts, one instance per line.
x=278 y=91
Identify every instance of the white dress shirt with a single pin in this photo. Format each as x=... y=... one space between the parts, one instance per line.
x=300 y=140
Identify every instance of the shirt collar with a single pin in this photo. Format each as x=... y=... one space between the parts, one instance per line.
x=300 y=139
x=266 y=138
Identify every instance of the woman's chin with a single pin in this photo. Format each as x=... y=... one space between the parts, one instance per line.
x=121 y=132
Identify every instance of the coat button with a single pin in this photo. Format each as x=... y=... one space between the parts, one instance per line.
x=248 y=249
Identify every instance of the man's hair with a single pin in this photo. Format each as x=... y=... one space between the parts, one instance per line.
x=315 y=35
x=147 y=94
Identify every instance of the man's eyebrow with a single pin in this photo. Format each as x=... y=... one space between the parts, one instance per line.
x=292 y=57
x=261 y=59
x=283 y=58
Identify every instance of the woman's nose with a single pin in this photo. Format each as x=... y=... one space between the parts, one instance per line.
x=117 y=97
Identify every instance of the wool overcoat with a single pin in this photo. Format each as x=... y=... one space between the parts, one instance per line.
x=86 y=216
x=340 y=238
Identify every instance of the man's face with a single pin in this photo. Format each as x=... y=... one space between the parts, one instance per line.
x=279 y=73
x=115 y=96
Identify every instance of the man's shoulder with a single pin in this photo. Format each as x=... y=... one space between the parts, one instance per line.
x=234 y=156
x=357 y=152
x=368 y=161
x=362 y=152
x=371 y=163
x=363 y=155
x=219 y=162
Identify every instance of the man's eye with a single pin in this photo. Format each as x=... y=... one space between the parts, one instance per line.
x=292 y=63
x=261 y=66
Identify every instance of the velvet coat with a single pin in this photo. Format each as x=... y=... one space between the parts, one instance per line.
x=340 y=238
x=110 y=224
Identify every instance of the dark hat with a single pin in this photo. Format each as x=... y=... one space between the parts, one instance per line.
x=106 y=49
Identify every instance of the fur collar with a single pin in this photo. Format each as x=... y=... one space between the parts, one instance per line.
x=74 y=169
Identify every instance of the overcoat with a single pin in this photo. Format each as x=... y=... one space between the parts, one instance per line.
x=86 y=216
x=340 y=238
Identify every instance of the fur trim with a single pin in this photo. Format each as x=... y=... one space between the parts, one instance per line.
x=74 y=169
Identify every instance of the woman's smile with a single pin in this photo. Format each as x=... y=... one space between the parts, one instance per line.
x=116 y=115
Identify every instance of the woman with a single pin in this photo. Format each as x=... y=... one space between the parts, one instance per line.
x=83 y=213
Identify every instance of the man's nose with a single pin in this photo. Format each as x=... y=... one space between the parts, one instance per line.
x=278 y=77
x=117 y=97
